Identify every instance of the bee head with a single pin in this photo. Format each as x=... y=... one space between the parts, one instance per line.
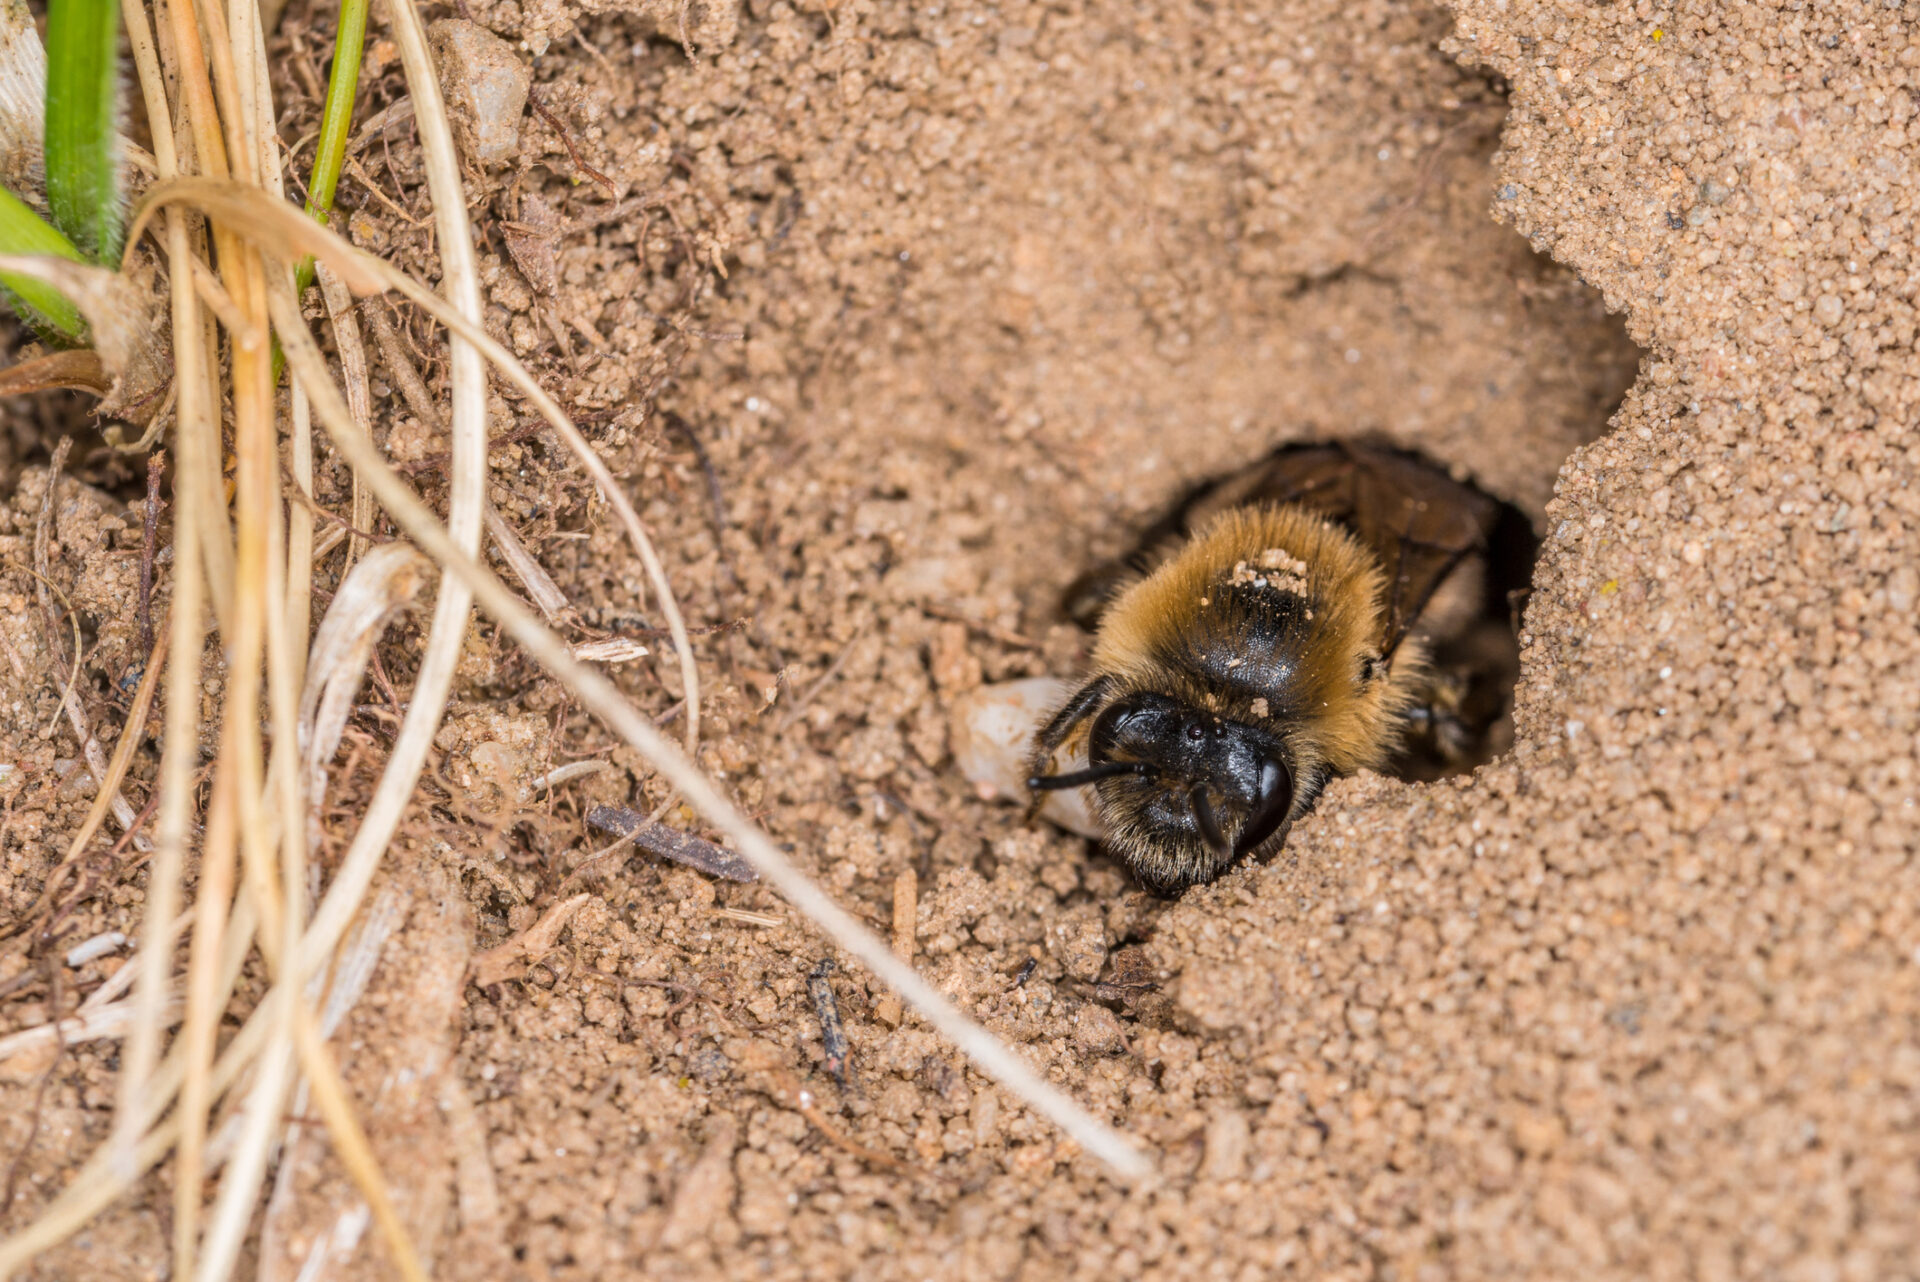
x=1186 y=793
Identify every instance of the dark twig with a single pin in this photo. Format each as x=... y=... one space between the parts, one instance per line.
x=833 y=1034
x=671 y=843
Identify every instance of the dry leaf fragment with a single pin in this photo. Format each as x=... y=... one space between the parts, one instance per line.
x=385 y=581
x=612 y=650
x=505 y=960
x=531 y=240
x=129 y=339
x=23 y=99
x=80 y=371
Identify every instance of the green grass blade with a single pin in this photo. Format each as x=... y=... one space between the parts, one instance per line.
x=24 y=232
x=336 y=120
x=336 y=117
x=83 y=87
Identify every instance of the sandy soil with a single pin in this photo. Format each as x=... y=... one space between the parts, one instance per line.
x=954 y=298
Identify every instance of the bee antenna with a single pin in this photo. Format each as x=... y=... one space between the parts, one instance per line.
x=1092 y=774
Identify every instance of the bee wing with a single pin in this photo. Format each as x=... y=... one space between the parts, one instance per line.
x=1419 y=522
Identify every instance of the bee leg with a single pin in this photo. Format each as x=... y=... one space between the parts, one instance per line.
x=1438 y=729
x=1088 y=596
x=1062 y=724
x=1456 y=739
x=1517 y=606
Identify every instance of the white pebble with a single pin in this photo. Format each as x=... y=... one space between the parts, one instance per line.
x=992 y=732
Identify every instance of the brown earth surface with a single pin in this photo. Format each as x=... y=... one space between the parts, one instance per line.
x=895 y=318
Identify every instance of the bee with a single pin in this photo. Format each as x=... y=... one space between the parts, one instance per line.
x=1336 y=607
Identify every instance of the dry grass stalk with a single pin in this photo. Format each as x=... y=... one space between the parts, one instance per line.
x=182 y=711
x=88 y=1023
x=611 y=650
x=597 y=693
x=256 y=570
x=407 y=509
x=289 y=234
x=400 y=368
x=265 y=623
x=533 y=577
x=257 y=528
x=342 y=312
